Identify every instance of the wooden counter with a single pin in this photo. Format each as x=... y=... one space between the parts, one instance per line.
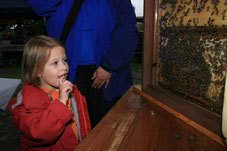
x=137 y=124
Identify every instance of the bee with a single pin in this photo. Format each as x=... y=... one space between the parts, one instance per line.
x=194 y=22
x=212 y=13
x=189 y=2
x=225 y=2
x=194 y=8
x=186 y=13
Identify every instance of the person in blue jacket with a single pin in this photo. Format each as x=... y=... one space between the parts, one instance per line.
x=100 y=47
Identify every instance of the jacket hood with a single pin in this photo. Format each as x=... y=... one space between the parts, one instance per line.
x=31 y=98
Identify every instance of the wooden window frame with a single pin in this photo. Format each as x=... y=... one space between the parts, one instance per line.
x=201 y=116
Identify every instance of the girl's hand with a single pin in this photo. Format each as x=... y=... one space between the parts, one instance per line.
x=65 y=87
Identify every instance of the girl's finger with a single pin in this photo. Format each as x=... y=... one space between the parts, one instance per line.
x=61 y=80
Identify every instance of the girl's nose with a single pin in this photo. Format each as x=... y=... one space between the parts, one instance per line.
x=64 y=66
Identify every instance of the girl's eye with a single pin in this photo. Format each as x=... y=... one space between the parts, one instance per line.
x=65 y=60
x=55 y=63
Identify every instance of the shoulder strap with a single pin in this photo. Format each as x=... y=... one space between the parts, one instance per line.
x=71 y=18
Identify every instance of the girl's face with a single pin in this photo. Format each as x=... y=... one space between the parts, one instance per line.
x=55 y=68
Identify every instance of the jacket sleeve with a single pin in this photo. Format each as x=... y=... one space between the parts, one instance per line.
x=44 y=7
x=124 y=38
x=41 y=127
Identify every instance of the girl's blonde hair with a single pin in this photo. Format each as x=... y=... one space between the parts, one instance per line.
x=35 y=56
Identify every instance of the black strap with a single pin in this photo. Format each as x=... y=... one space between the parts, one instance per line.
x=71 y=18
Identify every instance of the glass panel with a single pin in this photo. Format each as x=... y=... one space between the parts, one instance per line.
x=192 y=50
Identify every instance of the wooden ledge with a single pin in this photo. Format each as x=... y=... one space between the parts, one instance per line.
x=182 y=117
x=137 y=123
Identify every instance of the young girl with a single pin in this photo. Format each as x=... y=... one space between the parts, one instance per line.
x=49 y=112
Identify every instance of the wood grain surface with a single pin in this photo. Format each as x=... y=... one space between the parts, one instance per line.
x=137 y=124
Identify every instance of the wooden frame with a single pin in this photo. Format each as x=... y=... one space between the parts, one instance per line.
x=209 y=122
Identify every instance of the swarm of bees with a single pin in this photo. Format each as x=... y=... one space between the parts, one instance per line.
x=192 y=56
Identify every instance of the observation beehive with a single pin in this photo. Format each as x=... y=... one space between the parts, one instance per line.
x=192 y=50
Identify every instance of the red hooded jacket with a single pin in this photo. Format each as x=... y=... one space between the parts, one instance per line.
x=45 y=126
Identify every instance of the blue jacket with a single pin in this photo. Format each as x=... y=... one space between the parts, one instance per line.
x=117 y=52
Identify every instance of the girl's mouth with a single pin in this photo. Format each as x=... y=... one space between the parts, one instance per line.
x=64 y=76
